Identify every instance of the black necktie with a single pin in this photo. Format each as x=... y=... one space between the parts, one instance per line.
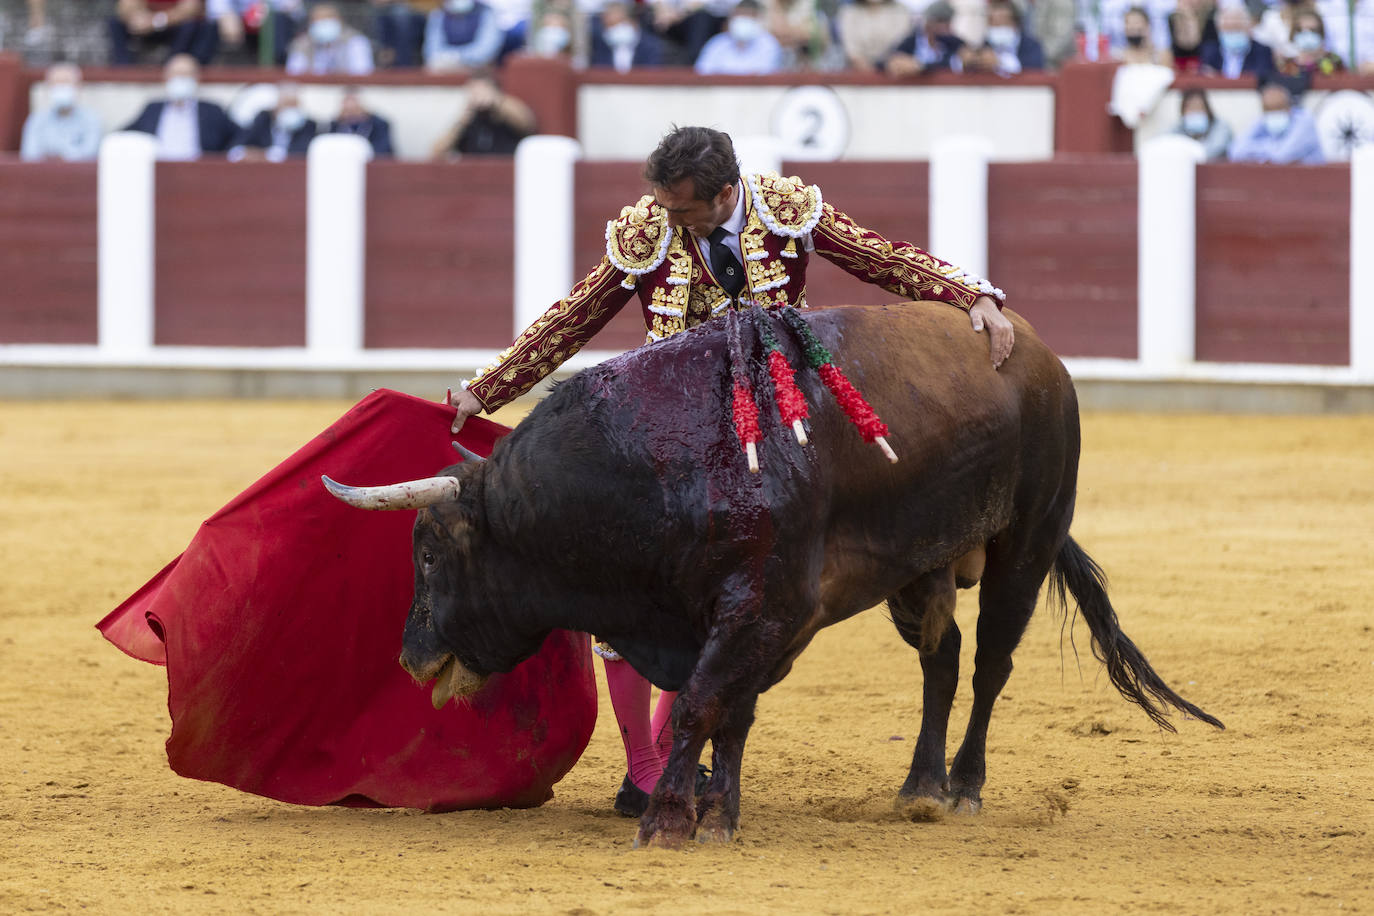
x=724 y=264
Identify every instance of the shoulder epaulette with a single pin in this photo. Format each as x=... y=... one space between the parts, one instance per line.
x=637 y=240
x=786 y=205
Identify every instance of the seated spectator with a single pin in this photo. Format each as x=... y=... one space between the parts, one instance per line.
x=399 y=27
x=328 y=46
x=1275 y=27
x=1235 y=52
x=803 y=30
x=552 y=35
x=1309 y=55
x=241 y=24
x=1054 y=22
x=686 y=26
x=64 y=130
x=1112 y=15
x=357 y=120
x=745 y=48
x=1197 y=122
x=1139 y=47
x=870 y=30
x=185 y=127
x=462 y=35
x=1006 y=49
x=492 y=124
x=619 y=41
x=513 y=19
x=1189 y=30
x=276 y=134
x=180 y=25
x=931 y=46
x=1355 y=48
x=1285 y=133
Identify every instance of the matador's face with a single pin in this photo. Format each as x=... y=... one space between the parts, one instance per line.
x=697 y=216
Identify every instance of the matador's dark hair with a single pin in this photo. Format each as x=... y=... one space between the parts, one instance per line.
x=704 y=155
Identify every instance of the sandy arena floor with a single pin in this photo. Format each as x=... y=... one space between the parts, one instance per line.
x=1240 y=557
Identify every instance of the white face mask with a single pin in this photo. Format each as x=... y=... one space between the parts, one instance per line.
x=1308 y=41
x=459 y=6
x=290 y=119
x=622 y=35
x=325 y=31
x=62 y=95
x=1003 y=37
x=1276 y=122
x=181 y=88
x=744 y=29
x=551 y=40
x=1196 y=122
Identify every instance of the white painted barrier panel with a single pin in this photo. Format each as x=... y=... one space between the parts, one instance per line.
x=335 y=244
x=1362 y=263
x=758 y=153
x=959 y=203
x=124 y=220
x=1166 y=247
x=543 y=224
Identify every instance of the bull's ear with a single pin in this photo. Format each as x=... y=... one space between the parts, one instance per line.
x=468 y=454
x=412 y=494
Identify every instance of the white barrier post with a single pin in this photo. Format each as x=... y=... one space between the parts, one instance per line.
x=335 y=243
x=1361 y=264
x=959 y=202
x=1166 y=253
x=544 y=189
x=759 y=154
x=124 y=220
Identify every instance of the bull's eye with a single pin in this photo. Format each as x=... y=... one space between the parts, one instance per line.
x=427 y=559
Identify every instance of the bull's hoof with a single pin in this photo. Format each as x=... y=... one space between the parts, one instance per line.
x=660 y=839
x=715 y=827
x=666 y=826
x=968 y=806
x=923 y=808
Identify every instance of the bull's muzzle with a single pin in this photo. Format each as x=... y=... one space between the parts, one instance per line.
x=453 y=680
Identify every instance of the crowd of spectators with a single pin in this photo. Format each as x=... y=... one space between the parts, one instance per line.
x=1279 y=44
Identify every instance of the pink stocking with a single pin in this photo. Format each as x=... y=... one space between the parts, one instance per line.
x=630 y=700
x=662 y=724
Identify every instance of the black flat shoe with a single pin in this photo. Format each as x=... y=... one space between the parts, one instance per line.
x=631 y=800
x=703 y=777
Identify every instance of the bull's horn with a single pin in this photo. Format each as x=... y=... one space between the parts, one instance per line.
x=467 y=453
x=413 y=494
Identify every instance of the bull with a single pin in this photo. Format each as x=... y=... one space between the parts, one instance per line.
x=623 y=507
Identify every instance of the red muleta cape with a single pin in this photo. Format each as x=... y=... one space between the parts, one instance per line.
x=280 y=627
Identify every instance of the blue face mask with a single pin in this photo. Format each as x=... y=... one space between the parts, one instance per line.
x=1196 y=123
x=1234 y=42
x=1276 y=122
x=1307 y=41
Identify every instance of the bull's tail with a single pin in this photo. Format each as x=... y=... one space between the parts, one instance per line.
x=1075 y=573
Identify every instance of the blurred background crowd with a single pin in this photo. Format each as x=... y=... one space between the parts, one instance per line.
x=1279 y=45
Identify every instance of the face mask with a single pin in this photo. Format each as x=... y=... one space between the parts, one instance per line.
x=63 y=95
x=1196 y=122
x=622 y=35
x=1275 y=122
x=290 y=120
x=1135 y=41
x=1235 y=42
x=1002 y=36
x=325 y=31
x=551 y=40
x=459 y=6
x=181 y=88
x=744 y=29
x=1308 y=41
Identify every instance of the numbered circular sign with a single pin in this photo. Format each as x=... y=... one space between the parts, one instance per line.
x=1345 y=120
x=812 y=124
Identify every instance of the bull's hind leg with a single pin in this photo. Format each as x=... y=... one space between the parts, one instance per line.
x=718 y=807
x=924 y=615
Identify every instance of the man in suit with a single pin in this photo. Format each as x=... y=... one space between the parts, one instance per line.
x=619 y=41
x=1235 y=52
x=931 y=46
x=278 y=133
x=355 y=119
x=1008 y=48
x=185 y=127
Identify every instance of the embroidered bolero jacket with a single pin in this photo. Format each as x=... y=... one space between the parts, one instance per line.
x=676 y=289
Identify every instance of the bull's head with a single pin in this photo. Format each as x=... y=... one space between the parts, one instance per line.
x=439 y=538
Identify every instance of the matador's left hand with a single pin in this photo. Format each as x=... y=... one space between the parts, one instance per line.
x=986 y=312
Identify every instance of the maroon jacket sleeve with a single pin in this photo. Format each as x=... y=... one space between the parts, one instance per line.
x=898 y=267
x=556 y=335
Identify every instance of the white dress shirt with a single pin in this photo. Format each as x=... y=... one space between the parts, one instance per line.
x=178 y=131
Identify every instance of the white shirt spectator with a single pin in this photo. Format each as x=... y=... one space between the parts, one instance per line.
x=351 y=54
x=214 y=9
x=1336 y=17
x=1113 y=18
x=735 y=53
x=178 y=132
x=72 y=135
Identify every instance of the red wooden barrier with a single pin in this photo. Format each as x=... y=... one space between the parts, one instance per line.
x=1062 y=245
x=47 y=253
x=603 y=188
x=230 y=243
x=440 y=238
x=1273 y=264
